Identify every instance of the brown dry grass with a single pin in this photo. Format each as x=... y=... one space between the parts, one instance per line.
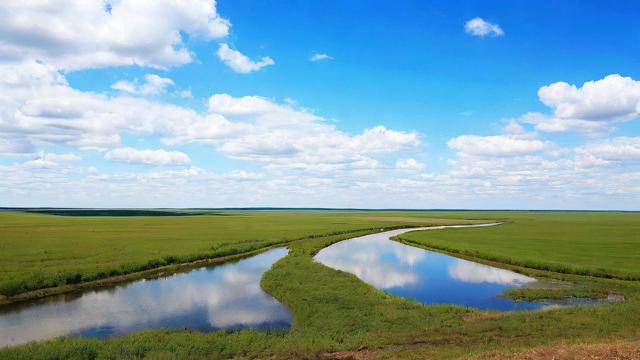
x=618 y=350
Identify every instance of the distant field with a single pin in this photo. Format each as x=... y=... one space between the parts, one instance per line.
x=38 y=251
x=603 y=244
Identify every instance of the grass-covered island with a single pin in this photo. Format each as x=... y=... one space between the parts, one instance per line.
x=335 y=314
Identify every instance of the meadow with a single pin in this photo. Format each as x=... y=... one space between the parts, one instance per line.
x=336 y=314
x=39 y=251
x=585 y=243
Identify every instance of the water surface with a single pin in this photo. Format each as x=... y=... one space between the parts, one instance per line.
x=426 y=276
x=222 y=296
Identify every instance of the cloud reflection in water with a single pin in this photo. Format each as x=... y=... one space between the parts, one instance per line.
x=471 y=272
x=224 y=296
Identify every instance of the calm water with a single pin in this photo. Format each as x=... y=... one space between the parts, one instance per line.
x=222 y=296
x=425 y=276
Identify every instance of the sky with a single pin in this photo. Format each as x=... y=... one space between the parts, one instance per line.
x=348 y=104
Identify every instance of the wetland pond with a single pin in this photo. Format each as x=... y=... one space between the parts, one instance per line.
x=425 y=276
x=225 y=296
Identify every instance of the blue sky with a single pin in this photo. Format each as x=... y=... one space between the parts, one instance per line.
x=412 y=104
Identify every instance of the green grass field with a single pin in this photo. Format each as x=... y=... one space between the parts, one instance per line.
x=39 y=251
x=588 y=243
x=335 y=311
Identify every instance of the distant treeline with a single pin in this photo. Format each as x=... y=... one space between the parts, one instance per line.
x=112 y=212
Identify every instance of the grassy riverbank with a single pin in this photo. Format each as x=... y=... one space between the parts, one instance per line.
x=335 y=311
x=586 y=243
x=39 y=251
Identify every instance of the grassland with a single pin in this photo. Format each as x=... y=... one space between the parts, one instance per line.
x=40 y=251
x=585 y=243
x=334 y=311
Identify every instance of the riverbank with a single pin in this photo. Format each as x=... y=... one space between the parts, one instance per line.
x=168 y=270
x=603 y=245
x=154 y=273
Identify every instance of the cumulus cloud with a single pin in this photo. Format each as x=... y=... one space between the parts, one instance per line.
x=612 y=98
x=152 y=85
x=281 y=135
x=550 y=124
x=383 y=140
x=43 y=109
x=40 y=164
x=498 y=145
x=518 y=167
x=240 y=63
x=125 y=86
x=242 y=175
x=409 y=164
x=320 y=57
x=226 y=104
x=10 y=145
x=513 y=127
x=148 y=156
x=592 y=109
x=616 y=149
x=82 y=34
x=480 y=27
x=60 y=156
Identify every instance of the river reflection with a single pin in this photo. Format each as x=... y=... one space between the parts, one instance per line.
x=426 y=276
x=222 y=296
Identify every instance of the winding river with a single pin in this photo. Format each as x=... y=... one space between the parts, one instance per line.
x=426 y=276
x=229 y=295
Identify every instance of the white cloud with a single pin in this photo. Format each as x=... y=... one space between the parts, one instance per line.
x=41 y=109
x=125 y=86
x=616 y=149
x=498 y=145
x=10 y=145
x=60 y=157
x=479 y=27
x=242 y=175
x=612 y=98
x=239 y=62
x=40 y=164
x=591 y=109
x=285 y=136
x=320 y=57
x=409 y=164
x=226 y=104
x=82 y=34
x=185 y=94
x=513 y=127
x=382 y=140
x=153 y=85
x=544 y=123
x=147 y=156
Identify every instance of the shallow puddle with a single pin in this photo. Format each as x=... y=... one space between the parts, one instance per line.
x=221 y=296
x=426 y=276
